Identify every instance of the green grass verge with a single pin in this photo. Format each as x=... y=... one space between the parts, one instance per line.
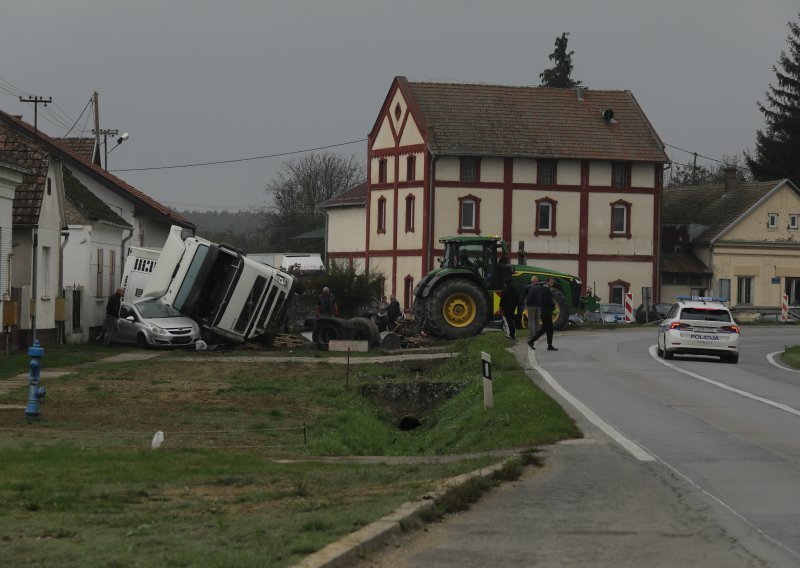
x=56 y=356
x=791 y=356
x=80 y=487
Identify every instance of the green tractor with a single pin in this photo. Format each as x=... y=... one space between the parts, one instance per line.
x=459 y=298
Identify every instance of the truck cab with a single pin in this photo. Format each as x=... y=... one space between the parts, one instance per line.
x=231 y=296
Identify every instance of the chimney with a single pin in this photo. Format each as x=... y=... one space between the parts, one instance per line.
x=579 y=92
x=730 y=178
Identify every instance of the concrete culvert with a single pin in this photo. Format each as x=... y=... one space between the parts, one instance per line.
x=409 y=422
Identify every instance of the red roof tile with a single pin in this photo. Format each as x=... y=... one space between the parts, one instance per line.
x=494 y=120
x=353 y=197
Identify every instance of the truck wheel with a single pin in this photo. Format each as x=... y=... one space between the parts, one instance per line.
x=457 y=308
x=560 y=315
x=365 y=328
x=327 y=329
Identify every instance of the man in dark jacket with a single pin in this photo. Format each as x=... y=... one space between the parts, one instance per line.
x=532 y=298
x=548 y=304
x=112 y=315
x=508 y=307
x=393 y=312
x=326 y=304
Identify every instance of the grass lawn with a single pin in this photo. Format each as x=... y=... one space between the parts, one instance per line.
x=234 y=484
x=791 y=356
x=18 y=362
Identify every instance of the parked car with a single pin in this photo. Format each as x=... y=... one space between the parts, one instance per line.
x=606 y=313
x=148 y=322
x=657 y=312
x=699 y=326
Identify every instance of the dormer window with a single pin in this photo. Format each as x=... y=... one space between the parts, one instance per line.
x=772 y=220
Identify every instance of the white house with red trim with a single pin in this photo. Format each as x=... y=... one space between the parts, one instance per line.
x=571 y=176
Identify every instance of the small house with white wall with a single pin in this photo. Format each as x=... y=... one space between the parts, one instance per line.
x=737 y=241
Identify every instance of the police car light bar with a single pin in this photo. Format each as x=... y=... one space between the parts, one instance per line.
x=702 y=299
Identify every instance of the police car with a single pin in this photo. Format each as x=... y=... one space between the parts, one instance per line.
x=699 y=325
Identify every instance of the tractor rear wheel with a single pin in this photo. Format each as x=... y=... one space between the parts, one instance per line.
x=456 y=308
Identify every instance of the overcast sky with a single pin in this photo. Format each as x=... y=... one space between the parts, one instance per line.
x=201 y=81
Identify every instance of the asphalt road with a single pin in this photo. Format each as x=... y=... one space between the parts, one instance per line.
x=690 y=462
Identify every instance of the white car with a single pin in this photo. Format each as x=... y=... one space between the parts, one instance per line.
x=699 y=326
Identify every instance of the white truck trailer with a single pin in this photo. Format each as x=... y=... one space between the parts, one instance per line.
x=230 y=296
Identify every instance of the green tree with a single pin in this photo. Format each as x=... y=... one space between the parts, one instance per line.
x=351 y=288
x=778 y=147
x=298 y=190
x=560 y=74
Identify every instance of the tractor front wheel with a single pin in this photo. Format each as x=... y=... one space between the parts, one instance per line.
x=457 y=308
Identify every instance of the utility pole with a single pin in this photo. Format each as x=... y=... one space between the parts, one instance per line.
x=694 y=170
x=106 y=132
x=96 y=110
x=36 y=102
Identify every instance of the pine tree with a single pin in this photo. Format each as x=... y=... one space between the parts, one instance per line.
x=777 y=152
x=559 y=75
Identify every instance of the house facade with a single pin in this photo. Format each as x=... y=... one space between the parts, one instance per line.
x=78 y=263
x=746 y=237
x=572 y=179
x=10 y=177
x=346 y=226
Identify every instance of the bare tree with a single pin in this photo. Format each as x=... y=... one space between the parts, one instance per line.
x=300 y=187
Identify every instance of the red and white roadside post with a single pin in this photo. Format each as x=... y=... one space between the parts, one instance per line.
x=628 y=306
x=785 y=307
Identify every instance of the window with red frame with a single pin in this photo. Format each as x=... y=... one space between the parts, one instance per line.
x=546 y=172
x=382 y=170
x=470 y=169
x=410 y=202
x=620 y=220
x=469 y=208
x=408 y=292
x=411 y=168
x=621 y=174
x=381 y=214
x=545 y=217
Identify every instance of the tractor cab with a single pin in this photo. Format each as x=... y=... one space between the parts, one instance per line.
x=485 y=256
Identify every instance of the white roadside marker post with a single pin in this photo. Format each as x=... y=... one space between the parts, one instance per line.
x=488 y=394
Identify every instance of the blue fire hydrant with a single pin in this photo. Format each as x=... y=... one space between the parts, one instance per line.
x=35 y=392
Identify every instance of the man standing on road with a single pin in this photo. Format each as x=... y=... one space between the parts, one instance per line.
x=508 y=307
x=532 y=297
x=112 y=315
x=547 y=303
x=326 y=304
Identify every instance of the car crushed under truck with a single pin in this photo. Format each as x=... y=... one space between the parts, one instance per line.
x=233 y=298
x=460 y=297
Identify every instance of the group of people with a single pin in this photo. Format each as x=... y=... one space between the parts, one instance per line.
x=539 y=300
x=326 y=307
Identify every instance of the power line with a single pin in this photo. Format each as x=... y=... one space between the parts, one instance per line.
x=242 y=159
x=76 y=121
x=698 y=155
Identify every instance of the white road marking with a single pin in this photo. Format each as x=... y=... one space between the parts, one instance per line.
x=632 y=447
x=771 y=359
x=740 y=392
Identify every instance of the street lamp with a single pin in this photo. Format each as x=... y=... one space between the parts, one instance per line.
x=112 y=132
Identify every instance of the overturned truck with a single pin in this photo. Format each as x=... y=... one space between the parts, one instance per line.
x=233 y=298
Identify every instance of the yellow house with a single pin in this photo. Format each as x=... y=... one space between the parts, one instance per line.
x=572 y=178
x=748 y=237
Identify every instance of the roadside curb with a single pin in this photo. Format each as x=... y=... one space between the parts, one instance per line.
x=355 y=546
